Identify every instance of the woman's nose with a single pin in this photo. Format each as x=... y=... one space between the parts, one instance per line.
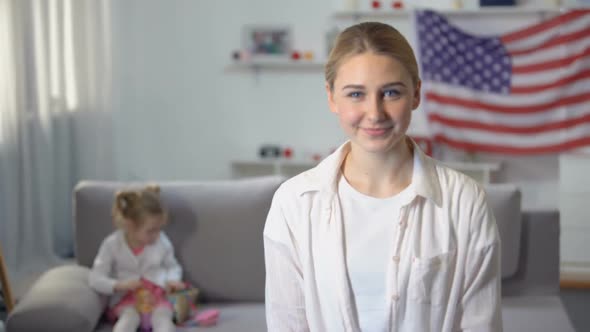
x=374 y=109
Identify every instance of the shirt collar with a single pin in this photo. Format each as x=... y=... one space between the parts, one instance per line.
x=325 y=176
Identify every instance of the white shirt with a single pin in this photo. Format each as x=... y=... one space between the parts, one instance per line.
x=115 y=262
x=369 y=229
x=445 y=270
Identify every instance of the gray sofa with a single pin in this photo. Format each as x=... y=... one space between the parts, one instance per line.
x=216 y=228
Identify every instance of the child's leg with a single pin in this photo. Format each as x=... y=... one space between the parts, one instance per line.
x=162 y=320
x=128 y=320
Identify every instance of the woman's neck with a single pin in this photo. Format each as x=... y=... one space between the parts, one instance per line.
x=379 y=174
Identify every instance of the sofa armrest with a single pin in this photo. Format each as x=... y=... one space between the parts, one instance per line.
x=538 y=266
x=60 y=300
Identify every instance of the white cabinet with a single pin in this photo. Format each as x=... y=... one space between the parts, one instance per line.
x=261 y=167
x=574 y=200
x=481 y=172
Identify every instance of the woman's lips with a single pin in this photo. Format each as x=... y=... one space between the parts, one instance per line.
x=376 y=131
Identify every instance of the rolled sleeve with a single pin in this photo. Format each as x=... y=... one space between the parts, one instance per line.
x=481 y=302
x=285 y=300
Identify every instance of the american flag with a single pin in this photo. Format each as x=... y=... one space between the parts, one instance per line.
x=525 y=92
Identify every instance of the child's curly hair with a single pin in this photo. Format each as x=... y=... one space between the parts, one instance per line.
x=135 y=205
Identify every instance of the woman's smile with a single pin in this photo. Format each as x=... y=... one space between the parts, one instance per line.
x=376 y=131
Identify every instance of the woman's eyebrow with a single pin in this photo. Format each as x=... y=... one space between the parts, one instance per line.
x=353 y=86
x=362 y=87
x=392 y=84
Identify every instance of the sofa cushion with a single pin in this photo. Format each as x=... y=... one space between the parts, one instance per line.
x=60 y=300
x=215 y=227
x=243 y=317
x=534 y=313
x=505 y=202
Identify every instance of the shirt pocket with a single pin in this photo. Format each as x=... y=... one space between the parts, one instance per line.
x=431 y=278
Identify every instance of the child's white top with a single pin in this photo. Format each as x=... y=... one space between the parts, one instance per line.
x=116 y=262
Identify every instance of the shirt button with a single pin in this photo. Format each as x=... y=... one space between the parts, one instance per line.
x=396 y=259
x=395 y=297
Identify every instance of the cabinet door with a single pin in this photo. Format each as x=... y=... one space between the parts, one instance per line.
x=574 y=209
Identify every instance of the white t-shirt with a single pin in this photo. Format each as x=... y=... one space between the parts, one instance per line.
x=369 y=229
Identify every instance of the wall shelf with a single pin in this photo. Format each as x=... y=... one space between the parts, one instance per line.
x=274 y=65
x=500 y=10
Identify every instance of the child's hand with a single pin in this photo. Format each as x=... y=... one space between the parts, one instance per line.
x=173 y=286
x=127 y=285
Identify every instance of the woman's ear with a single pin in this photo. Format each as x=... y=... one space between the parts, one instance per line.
x=417 y=95
x=330 y=94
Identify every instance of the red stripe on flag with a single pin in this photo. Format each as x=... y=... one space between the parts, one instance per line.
x=552 y=64
x=497 y=128
x=525 y=109
x=542 y=87
x=569 y=38
x=527 y=32
x=469 y=146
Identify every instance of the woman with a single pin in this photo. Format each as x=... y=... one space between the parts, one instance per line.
x=378 y=236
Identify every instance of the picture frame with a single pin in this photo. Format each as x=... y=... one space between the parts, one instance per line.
x=267 y=41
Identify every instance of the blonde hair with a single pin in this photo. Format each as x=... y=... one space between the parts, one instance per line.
x=379 y=38
x=135 y=205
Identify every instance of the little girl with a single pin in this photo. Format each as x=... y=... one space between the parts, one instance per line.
x=136 y=255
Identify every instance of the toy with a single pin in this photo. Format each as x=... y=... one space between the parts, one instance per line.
x=182 y=302
x=145 y=302
x=185 y=310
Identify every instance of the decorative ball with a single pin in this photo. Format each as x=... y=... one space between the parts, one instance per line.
x=236 y=55
x=308 y=55
x=295 y=55
x=397 y=5
x=376 y=4
x=288 y=152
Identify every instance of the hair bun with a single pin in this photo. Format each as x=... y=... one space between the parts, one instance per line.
x=125 y=199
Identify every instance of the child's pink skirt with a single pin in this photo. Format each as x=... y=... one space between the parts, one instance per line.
x=156 y=298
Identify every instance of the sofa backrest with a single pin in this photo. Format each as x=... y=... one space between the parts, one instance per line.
x=216 y=228
x=505 y=202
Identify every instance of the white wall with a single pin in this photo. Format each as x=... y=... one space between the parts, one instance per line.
x=179 y=115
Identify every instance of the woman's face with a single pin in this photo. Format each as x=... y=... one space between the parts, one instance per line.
x=373 y=96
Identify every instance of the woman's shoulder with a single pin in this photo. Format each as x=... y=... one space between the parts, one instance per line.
x=297 y=185
x=453 y=181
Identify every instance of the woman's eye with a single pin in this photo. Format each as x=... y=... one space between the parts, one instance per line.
x=391 y=93
x=355 y=94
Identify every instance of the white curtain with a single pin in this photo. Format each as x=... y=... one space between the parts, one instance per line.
x=54 y=121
